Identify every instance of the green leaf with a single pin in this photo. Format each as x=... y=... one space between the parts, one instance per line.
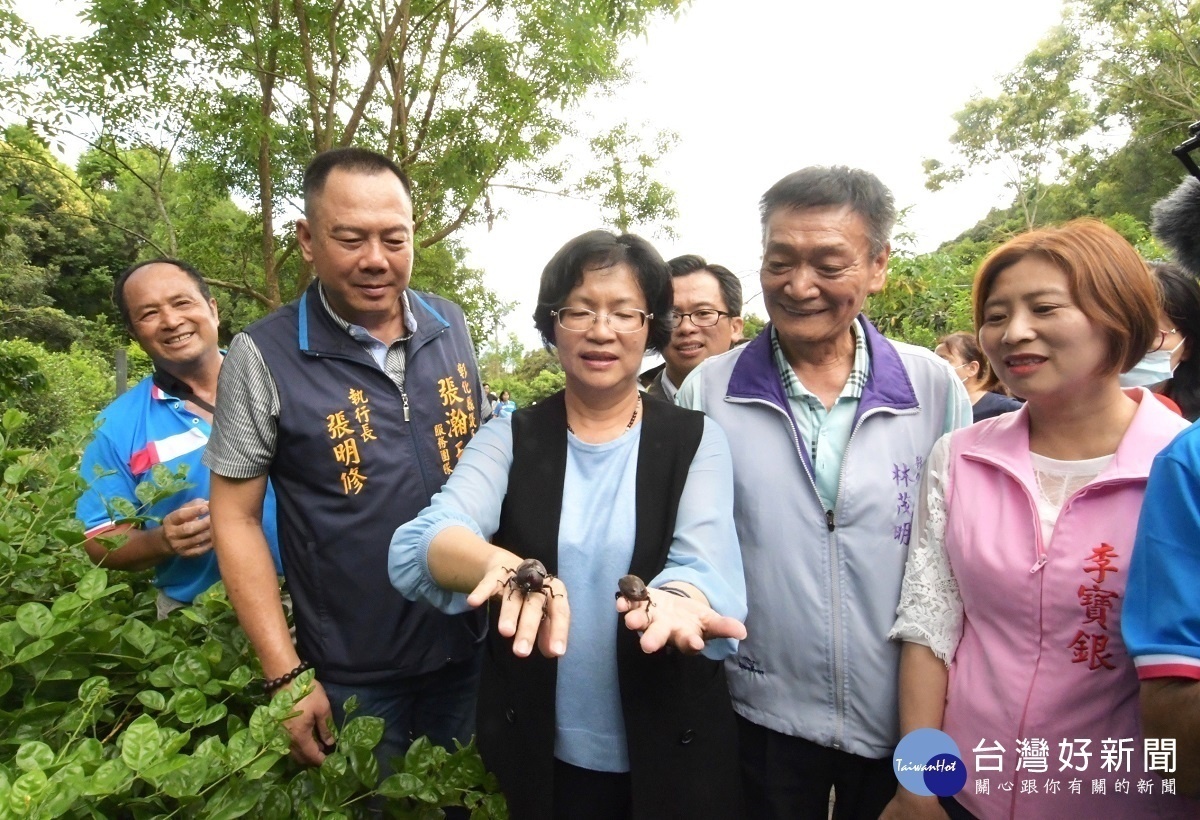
x=365 y=766
x=240 y=677
x=140 y=743
x=152 y=699
x=35 y=619
x=146 y=492
x=333 y=766
x=362 y=733
x=34 y=754
x=233 y=799
x=15 y=473
x=112 y=777
x=159 y=771
x=242 y=748
x=91 y=586
x=95 y=688
x=27 y=790
x=89 y=750
x=212 y=714
x=188 y=779
x=261 y=765
x=173 y=740
x=191 y=668
x=65 y=604
x=161 y=475
x=274 y=805
x=122 y=509
x=6 y=680
x=188 y=704
x=13 y=419
x=399 y=786
x=65 y=787
x=11 y=635
x=161 y=678
x=33 y=650
x=139 y=636
x=263 y=726
x=212 y=651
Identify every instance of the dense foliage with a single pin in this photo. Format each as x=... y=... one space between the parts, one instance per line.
x=107 y=712
x=200 y=117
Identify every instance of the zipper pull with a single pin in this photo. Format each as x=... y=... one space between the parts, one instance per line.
x=1041 y=562
x=829 y=520
x=404 y=399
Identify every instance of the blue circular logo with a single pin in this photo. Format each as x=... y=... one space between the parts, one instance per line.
x=927 y=762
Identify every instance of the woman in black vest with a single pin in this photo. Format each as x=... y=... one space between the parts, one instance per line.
x=623 y=712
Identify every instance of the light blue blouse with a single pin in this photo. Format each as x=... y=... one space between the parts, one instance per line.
x=596 y=535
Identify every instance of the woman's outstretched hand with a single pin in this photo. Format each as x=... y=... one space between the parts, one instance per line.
x=668 y=619
x=533 y=604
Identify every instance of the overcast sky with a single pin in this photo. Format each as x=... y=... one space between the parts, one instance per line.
x=759 y=88
x=756 y=89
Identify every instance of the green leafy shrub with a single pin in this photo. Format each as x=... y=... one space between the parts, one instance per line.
x=107 y=712
x=76 y=386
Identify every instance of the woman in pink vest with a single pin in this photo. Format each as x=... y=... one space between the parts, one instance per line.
x=1011 y=604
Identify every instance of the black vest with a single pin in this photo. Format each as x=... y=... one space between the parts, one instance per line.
x=355 y=459
x=678 y=718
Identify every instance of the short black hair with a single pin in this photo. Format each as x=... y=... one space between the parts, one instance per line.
x=731 y=285
x=602 y=249
x=1180 y=294
x=821 y=187
x=353 y=159
x=118 y=295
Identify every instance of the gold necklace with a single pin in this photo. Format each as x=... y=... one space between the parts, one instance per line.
x=637 y=406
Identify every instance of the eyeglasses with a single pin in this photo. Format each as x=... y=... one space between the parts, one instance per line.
x=700 y=318
x=1162 y=338
x=621 y=321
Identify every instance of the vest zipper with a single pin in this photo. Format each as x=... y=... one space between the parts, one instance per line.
x=404 y=401
x=839 y=659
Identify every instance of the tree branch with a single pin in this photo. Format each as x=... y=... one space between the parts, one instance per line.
x=335 y=65
x=245 y=290
x=368 y=90
x=310 y=75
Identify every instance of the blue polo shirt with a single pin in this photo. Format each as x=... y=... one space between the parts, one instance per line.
x=142 y=428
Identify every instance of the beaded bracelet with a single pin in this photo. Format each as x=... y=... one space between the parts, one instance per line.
x=269 y=686
x=675 y=591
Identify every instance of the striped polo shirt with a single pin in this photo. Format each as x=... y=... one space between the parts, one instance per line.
x=143 y=428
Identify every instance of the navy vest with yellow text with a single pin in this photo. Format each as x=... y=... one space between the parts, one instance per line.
x=355 y=459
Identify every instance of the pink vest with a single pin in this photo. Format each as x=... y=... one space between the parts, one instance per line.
x=1041 y=658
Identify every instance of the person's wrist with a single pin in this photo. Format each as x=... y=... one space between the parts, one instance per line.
x=165 y=542
x=272 y=685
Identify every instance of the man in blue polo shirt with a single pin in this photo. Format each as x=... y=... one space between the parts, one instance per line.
x=165 y=419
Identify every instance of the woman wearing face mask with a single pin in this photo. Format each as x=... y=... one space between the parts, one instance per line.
x=962 y=351
x=1169 y=368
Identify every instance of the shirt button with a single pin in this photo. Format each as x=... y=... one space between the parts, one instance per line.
x=510 y=715
x=195 y=421
x=687 y=737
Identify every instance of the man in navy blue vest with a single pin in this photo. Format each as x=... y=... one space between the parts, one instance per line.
x=357 y=401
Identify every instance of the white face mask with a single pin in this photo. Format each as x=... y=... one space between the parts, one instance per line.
x=963 y=377
x=1154 y=367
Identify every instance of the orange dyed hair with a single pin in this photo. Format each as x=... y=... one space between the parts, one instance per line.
x=1109 y=282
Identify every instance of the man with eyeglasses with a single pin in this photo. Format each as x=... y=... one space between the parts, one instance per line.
x=706 y=320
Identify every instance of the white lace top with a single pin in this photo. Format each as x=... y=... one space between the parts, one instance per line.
x=931 y=610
